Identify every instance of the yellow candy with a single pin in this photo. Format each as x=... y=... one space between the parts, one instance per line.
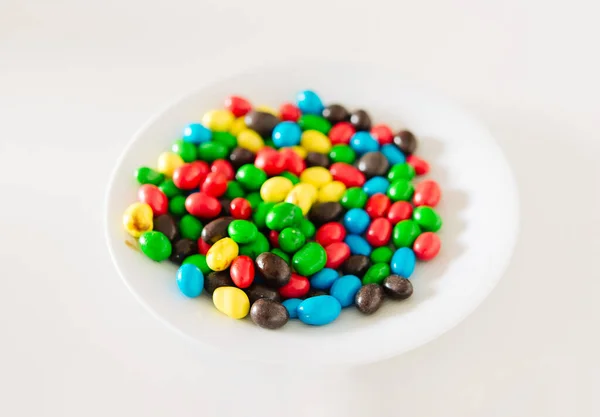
x=237 y=126
x=300 y=151
x=231 y=301
x=315 y=141
x=137 y=219
x=250 y=140
x=317 y=176
x=267 y=109
x=303 y=195
x=168 y=162
x=218 y=120
x=331 y=192
x=220 y=255
x=276 y=189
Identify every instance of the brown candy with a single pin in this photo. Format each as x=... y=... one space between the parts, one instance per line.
x=241 y=156
x=216 y=230
x=261 y=122
x=356 y=265
x=335 y=113
x=258 y=291
x=182 y=249
x=322 y=213
x=316 y=159
x=166 y=224
x=275 y=271
x=406 y=141
x=397 y=287
x=369 y=298
x=373 y=164
x=269 y=314
x=313 y=292
x=217 y=279
x=361 y=120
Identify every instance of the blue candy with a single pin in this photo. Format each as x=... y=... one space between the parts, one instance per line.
x=393 y=154
x=319 y=310
x=323 y=279
x=286 y=134
x=358 y=245
x=376 y=185
x=403 y=262
x=345 y=289
x=190 y=280
x=309 y=102
x=291 y=305
x=363 y=142
x=196 y=133
x=356 y=221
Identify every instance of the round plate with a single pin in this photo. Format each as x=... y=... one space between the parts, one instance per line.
x=479 y=208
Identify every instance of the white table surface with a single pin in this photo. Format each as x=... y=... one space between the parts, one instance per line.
x=78 y=78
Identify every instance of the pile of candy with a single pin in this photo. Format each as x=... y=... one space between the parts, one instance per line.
x=295 y=213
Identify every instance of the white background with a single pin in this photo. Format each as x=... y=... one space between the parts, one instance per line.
x=78 y=78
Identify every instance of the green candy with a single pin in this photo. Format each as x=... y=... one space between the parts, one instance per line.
x=225 y=138
x=234 y=190
x=354 y=197
x=242 y=231
x=401 y=172
x=251 y=177
x=186 y=150
x=211 y=151
x=260 y=214
x=291 y=239
x=269 y=142
x=314 y=122
x=307 y=228
x=342 y=153
x=400 y=190
x=190 y=227
x=282 y=255
x=283 y=215
x=169 y=188
x=255 y=248
x=145 y=175
x=177 y=206
x=382 y=254
x=376 y=274
x=155 y=246
x=310 y=259
x=405 y=233
x=293 y=178
x=254 y=199
x=200 y=261
x=427 y=218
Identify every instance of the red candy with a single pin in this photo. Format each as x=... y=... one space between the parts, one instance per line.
x=382 y=133
x=400 y=210
x=155 y=198
x=427 y=193
x=341 y=133
x=337 y=253
x=420 y=165
x=427 y=246
x=240 y=208
x=330 y=233
x=190 y=176
x=203 y=246
x=202 y=205
x=377 y=205
x=289 y=112
x=274 y=238
x=215 y=184
x=292 y=161
x=239 y=106
x=297 y=287
x=379 y=232
x=224 y=167
x=242 y=271
x=270 y=161
x=347 y=174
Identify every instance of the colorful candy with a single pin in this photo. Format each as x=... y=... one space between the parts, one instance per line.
x=290 y=213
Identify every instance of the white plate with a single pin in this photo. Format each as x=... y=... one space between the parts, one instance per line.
x=479 y=209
